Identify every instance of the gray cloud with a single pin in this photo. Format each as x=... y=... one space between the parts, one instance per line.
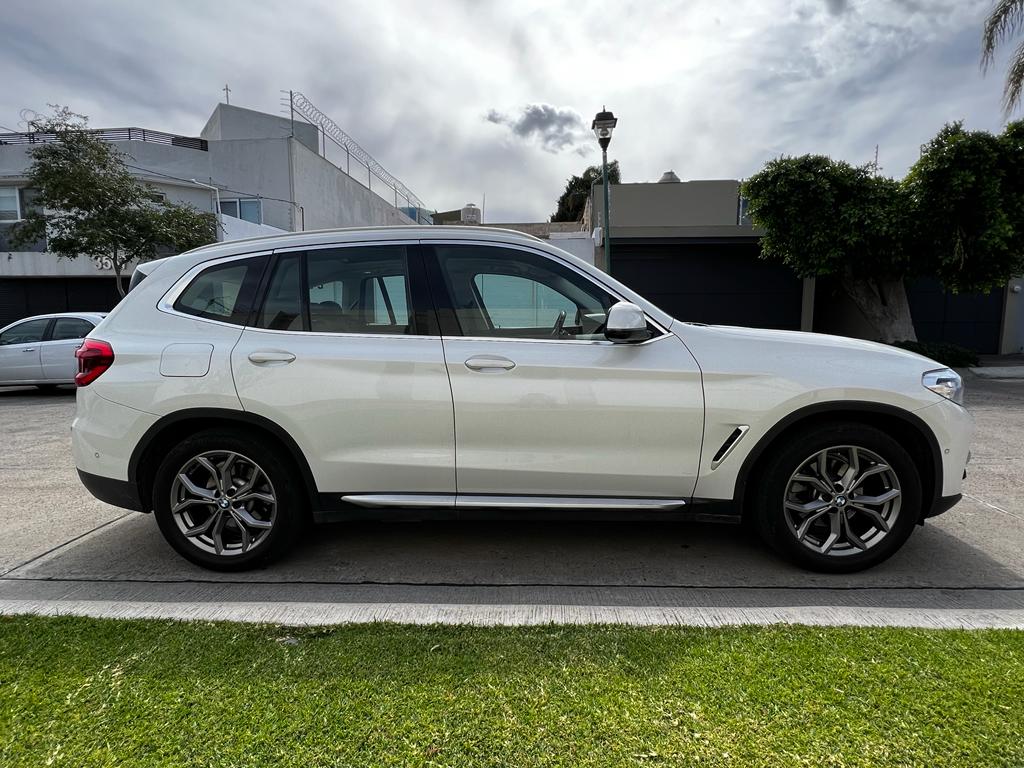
x=414 y=82
x=837 y=7
x=557 y=128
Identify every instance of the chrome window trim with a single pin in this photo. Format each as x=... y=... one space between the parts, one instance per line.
x=544 y=254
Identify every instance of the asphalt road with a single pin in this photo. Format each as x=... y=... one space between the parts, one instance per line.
x=63 y=551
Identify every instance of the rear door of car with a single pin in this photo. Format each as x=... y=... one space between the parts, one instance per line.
x=344 y=354
x=19 y=351
x=57 y=351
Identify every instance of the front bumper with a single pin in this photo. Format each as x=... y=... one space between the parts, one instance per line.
x=942 y=504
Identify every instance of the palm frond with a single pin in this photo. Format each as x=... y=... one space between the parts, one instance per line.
x=1005 y=19
x=1014 y=81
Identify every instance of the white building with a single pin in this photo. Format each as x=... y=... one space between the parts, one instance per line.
x=267 y=174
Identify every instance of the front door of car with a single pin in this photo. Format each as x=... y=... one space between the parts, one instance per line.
x=57 y=352
x=19 y=351
x=343 y=355
x=545 y=405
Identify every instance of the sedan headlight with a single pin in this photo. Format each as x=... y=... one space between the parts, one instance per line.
x=945 y=382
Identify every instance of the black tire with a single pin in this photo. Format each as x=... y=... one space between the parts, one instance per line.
x=286 y=518
x=786 y=457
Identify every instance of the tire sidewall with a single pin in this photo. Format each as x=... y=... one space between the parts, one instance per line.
x=770 y=492
x=286 y=523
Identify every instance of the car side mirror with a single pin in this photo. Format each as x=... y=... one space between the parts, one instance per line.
x=626 y=324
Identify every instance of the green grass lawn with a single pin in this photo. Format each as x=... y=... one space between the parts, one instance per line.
x=82 y=692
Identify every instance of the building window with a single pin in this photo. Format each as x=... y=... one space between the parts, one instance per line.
x=157 y=197
x=10 y=204
x=247 y=209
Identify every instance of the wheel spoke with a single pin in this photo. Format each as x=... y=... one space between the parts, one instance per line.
x=875 y=515
x=809 y=507
x=850 y=535
x=873 y=470
x=218 y=533
x=205 y=464
x=852 y=470
x=881 y=498
x=821 y=485
x=834 y=532
x=266 y=497
x=801 y=532
x=195 y=490
x=224 y=475
x=244 y=517
x=244 y=529
x=202 y=527
x=823 y=466
x=182 y=505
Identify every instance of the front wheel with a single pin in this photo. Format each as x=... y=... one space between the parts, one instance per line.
x=225 y=501
x=838 y=498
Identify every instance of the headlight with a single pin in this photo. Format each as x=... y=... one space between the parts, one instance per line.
x=946 y=383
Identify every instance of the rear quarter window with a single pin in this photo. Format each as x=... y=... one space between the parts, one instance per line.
x=223 y=292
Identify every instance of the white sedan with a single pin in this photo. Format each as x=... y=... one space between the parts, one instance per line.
x=425 y=371
x=40 y=350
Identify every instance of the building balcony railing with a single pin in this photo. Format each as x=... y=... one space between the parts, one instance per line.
x=112 y=134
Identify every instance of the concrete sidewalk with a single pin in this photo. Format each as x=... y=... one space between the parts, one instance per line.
x=1000 y=367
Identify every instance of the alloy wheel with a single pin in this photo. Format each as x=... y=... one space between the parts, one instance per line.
x=223 y=503
x=842 y=501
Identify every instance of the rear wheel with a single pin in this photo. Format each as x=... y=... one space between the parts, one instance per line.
x=226 y=502
x=838 y=498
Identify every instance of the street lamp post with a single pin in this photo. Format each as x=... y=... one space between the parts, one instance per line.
x=604 y=123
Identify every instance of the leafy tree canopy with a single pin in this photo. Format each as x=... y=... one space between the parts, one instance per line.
x=958 y=216
x=577 y=189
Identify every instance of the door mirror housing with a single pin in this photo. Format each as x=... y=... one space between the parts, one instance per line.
x=626 y=324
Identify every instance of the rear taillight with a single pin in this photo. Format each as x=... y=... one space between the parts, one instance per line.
x=94 y=357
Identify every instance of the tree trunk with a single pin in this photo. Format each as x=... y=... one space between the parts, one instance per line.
x=884 y=304
x=117 y=277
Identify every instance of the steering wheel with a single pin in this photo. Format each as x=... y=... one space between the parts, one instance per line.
x=557 y=331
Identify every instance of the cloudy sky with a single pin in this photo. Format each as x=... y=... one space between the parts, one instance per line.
x=460 y=98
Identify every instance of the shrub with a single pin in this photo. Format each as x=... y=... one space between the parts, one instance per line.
x=952 y=355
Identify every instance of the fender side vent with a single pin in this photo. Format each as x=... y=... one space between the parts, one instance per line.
x=730 y=442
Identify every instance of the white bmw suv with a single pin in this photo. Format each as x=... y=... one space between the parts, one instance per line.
x=243 y=388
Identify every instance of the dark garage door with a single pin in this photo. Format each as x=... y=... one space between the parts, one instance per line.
x=711 y=282
x=971 y=320
x=22 y=297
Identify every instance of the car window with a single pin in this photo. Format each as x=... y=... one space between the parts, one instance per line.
x=223 y=292
x=282 y=306
x=70 y=328
x=344 y=290
x=28 y=332
x=508 y=293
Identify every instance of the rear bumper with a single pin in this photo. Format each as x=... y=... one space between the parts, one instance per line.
x=120 y=493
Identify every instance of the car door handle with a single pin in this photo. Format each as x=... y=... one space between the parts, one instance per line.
x=33 y=349
x=270 y=356
x=489 y=363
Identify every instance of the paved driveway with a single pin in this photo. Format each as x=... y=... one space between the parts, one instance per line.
x=62 y=551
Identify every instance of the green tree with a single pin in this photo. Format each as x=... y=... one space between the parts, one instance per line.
x=577 y=189
x=1004 y=21
x=957 y=216
x=87 y=203
x=967 y=192
x=826 y=217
